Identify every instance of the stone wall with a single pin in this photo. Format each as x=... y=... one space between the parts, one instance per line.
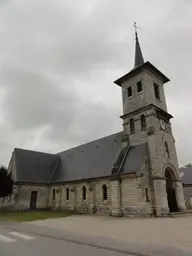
x=139 y=136
x=188 y=196
x=92 y=203
x=24 y=195
x=125 y=196
x=159 y=158
x=159 y=162
x=136 y=197
x=103 y=206
x=146 y=96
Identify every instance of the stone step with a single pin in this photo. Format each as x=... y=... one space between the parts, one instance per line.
x=181 y=214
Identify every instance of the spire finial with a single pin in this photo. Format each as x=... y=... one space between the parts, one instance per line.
x=135 y=26
x=138 y=54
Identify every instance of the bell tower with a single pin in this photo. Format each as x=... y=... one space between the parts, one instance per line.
x=142 y=95
x=146 y=119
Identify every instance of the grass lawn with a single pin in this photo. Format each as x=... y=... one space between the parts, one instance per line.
x=32 y=215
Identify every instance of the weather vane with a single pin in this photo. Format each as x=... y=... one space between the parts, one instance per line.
x=135 y=26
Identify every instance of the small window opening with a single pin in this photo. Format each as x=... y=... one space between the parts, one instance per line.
x=167 y=150
x=156 y=90
x=147 y=194
x=67 y=193
x=84 y=193
x=104 y=188
x=132 y=126
x=143 y=123
x=129 y=91
x=53 y=195
x=139 y=86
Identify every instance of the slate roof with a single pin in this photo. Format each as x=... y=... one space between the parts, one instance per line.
x=141 y=68
x=135 y=158
x=187 y=177
x=34 y=167
x=139 y=60
x=95 y=159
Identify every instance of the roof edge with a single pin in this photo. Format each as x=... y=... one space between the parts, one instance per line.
x=123 y=160
x=90 y=179
x=55 y=168
x=33 y=151
x=32 y=183
x=138 y=69
x=145 y=108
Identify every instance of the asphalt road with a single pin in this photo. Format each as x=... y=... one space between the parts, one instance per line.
x=22 y=239
x=16 y=243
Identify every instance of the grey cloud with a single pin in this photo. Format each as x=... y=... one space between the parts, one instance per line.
x=32 y=100
x=60 y=39
x=58 y=60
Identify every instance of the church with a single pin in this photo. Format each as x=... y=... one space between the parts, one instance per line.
x=133 y=172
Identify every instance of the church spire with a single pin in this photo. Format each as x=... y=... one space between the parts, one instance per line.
x=138 y=54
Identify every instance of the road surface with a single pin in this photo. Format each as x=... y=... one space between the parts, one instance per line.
x=16 y=243
x=24 y=239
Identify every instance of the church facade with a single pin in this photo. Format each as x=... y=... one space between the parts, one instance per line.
x=133 y=172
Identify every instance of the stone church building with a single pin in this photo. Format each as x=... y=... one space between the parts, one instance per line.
x=132 y=172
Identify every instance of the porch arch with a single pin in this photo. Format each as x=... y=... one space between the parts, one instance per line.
x=171 y=179
x=171 y=168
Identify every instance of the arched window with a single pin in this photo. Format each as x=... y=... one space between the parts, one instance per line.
x=53 y=195
x=147 y=194
x=104 y=188
x=132 y=126
x=67 y=193
x=84 y=192
x=143 y=122
x=166 y=149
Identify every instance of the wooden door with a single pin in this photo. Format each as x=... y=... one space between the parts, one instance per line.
x=33 y=200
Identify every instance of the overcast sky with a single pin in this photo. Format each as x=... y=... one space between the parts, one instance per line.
x=59 y=58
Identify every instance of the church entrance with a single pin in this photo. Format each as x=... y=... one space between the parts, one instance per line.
x=171 y=196
x=33 y=200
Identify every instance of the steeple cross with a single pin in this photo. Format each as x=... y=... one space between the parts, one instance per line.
x=135 y=26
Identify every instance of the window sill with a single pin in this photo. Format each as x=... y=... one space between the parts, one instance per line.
x=139 y=93
x=130 y=97
x=158 y=100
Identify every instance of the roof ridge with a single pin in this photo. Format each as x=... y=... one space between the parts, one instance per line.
x=54 y=170
x=124 y=158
